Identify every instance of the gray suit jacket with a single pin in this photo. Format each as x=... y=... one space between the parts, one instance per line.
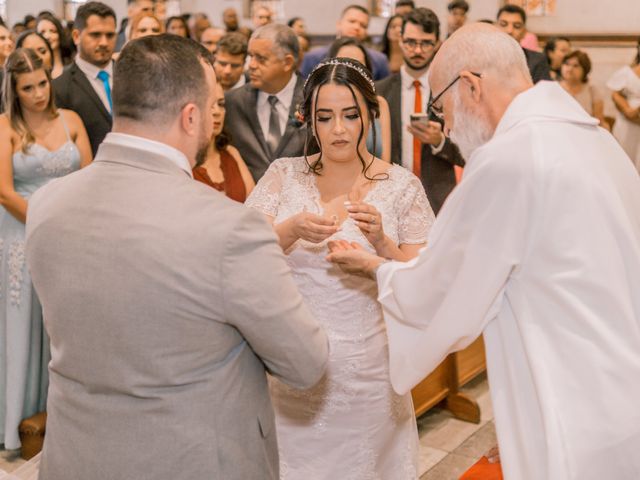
x=165 y=303
x=246 y=134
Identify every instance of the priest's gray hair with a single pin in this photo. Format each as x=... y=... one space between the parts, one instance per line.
x=486 y=50
x=284 y=39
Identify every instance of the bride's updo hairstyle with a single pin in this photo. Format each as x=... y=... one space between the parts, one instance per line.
x=353 y=75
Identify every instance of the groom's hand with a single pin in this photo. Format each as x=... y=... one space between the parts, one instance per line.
x=354 y=259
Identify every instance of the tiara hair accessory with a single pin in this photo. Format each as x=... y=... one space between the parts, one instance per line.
x=339 y=61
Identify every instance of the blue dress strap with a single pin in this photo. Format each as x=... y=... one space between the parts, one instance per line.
x=64 y=124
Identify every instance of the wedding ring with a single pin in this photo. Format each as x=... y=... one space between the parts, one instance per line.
x=373 y=221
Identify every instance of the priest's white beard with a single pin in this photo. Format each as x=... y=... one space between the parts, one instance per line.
x=470 y=131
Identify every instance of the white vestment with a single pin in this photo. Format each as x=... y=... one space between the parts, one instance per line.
x=538 y=249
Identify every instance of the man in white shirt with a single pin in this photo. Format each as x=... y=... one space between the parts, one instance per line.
x=538 y=249
x=261 y=115
x=151 y=346
x=85 y=86
x=230 y=60
x=420 y=147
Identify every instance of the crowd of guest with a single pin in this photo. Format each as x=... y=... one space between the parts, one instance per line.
x=58 y=108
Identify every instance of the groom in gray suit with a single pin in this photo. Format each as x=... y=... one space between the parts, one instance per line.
x=165 y=302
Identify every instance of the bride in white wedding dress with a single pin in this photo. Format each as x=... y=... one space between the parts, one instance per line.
x=351 y=425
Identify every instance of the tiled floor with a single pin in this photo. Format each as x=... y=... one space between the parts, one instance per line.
x=448 y=446
x=9 y=461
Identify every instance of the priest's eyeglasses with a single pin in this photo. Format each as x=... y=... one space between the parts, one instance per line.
x=435 y=111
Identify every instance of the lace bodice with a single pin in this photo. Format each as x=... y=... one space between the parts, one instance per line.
x=287 y=188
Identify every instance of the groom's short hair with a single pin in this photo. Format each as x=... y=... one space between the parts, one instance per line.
x=156 y=76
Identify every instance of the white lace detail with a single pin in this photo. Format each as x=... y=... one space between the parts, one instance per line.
x=16 y=272
x=353 y=406
x=57 y=163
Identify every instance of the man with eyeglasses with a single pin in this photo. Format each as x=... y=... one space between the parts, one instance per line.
x=538 y=249
x=419 y=146
x=512 y=20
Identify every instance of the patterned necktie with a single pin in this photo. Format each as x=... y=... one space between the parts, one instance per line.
x=273 y=137
x=417 y=146
x=104 y=76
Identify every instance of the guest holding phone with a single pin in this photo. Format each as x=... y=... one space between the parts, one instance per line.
x=417 y=142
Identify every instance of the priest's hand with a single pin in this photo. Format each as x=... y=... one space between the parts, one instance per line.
x=369 y=221
x=354 y=259
x=429 y=133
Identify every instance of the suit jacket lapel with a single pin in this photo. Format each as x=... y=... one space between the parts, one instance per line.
x=251 y=110
x=82 y=82
x=291 y=125
x=395 y=106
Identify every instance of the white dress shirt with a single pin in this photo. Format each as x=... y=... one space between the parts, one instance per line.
x=241 y=81
x=158 y=148
x=91 y=71
x=285 y=97
x=408 y=96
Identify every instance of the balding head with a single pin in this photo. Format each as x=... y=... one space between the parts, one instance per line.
x=210 y=38
x=492 y=71
x=482 y=48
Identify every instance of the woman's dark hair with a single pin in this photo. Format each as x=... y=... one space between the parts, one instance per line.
x=349 y=42
x=385 y=45
x=353 y=75
x=584 y=61
x=177 y=19
x=223 y=140
x=27 y=33
x=292 y=21
x=551 y=45
x=67 y=48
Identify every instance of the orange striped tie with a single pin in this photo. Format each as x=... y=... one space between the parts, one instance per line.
x=417 y=145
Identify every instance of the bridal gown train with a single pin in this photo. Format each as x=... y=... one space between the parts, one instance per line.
x=351 y=425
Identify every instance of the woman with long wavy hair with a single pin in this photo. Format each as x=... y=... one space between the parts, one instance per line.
x=38 y=143
x=61 y=45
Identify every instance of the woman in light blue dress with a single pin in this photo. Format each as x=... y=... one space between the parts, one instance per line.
x=37 y=144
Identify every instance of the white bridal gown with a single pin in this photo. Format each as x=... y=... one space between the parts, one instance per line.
x=351 y=425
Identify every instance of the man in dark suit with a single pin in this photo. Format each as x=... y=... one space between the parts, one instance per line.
x=421 y=147
x=354 y=22
x=513 y=20
x=85 y=86
x=261 y=114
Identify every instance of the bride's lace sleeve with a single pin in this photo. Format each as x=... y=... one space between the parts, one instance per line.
x=265 y=197
x=415 y=213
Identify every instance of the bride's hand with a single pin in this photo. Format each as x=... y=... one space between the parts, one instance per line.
x=368 y=220
x=313 y=228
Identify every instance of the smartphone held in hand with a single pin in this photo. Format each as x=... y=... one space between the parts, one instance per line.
x=419 y=118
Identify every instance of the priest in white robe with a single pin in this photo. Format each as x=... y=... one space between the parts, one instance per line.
x=538 y=249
